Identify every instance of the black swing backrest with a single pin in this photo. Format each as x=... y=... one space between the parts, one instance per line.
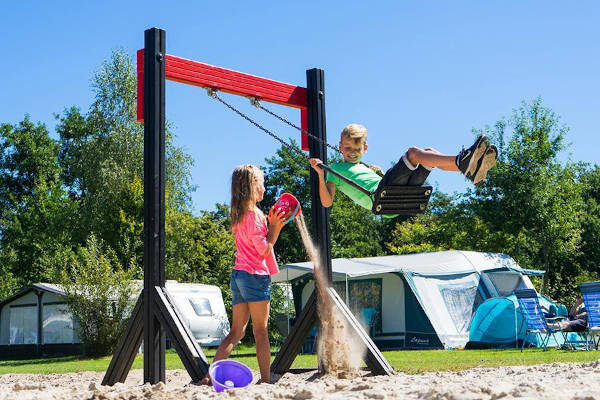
x=401 y=200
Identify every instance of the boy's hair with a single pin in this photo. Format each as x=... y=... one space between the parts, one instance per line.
x=355 y=132
x=243 y=180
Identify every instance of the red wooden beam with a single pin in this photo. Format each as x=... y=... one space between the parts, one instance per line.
x=140 y=85
x=228 y=81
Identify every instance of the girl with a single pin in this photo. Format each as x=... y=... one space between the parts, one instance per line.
x=254 y=263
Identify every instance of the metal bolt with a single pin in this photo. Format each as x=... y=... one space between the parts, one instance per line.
x=159 y=57
x=427 y=192
x=378 y=208
x=382 y=194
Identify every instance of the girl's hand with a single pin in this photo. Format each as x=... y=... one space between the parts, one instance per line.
x=276 y=217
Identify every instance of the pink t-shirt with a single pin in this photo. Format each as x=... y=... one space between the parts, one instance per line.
x=251 y=243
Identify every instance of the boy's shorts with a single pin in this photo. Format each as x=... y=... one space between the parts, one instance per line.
x=247 y=288
x=404 y=174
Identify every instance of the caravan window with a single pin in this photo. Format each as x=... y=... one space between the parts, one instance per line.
x=23 y=324
x=506 y=282
x=57 y=324
x=201 y=306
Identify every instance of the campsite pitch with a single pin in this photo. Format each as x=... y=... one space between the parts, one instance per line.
x=545 y=381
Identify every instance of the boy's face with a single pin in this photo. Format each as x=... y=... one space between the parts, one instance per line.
x=352 y=150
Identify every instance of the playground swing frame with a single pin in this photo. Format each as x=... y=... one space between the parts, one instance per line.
x=155 y=313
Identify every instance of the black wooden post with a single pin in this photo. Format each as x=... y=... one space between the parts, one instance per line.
x=155 y=311
x=320 y=218
x=154 y=200
x=322 y=236
x=40 y=327
x=315 y=79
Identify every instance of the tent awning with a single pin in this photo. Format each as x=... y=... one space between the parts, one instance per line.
x=422 y=264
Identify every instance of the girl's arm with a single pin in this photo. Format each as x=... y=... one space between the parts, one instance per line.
x=276 y=219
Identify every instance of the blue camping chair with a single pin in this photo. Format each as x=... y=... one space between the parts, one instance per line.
x=367 y=318
x=534 y=318
x=591 y=299
x=309 y=346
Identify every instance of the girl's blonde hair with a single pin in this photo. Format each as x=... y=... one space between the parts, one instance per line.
x=243 y=181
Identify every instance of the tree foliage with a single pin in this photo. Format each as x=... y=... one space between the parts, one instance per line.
x=99 y=293
x=531 y=206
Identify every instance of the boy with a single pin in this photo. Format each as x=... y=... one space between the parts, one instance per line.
x=412 y=169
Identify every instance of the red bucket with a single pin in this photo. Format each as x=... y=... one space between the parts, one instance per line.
x=289 y=204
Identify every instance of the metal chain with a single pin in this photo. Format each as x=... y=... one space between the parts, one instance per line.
x=212 y=93
x=255 y=102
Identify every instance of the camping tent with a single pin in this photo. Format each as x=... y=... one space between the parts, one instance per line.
x=498 y=322
x=423 y=300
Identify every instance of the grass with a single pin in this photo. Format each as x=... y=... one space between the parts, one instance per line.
x=410 y=362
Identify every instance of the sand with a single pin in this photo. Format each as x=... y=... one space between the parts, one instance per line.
x=341 y=357
x=547 y=381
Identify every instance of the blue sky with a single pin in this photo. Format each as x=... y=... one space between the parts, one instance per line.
x=414 y=73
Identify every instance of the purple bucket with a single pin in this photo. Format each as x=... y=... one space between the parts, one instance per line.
x=229 y=374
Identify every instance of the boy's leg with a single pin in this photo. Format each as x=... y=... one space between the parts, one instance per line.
x=432 y=158
x=473 y=162
x=399 y=174
x=419 y=175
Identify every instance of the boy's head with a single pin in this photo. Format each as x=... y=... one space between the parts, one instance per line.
x=353 y=142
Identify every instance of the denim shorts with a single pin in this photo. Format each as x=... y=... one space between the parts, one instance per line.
x=247 y=288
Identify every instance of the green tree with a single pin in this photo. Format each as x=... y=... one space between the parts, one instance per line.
x=590 y=221
x=27 y=158
x=101 y=155
x=530 y=191
x=529 y=207
x=200 y=249
x=99 y=293
x=35 y=213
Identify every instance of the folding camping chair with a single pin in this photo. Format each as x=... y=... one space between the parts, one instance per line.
x=367 y=318
x=591 y=299
x=283 y=328
x=534 y=318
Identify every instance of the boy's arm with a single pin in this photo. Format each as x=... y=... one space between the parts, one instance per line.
x=377 y=169
x=326 y=189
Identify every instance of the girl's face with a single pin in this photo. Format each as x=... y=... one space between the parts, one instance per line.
x=259 y=188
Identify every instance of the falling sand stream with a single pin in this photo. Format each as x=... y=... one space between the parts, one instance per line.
x=339 y=349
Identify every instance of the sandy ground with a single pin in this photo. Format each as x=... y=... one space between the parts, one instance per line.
x=549 y=381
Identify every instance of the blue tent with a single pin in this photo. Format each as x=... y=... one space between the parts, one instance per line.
x=497 y=322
